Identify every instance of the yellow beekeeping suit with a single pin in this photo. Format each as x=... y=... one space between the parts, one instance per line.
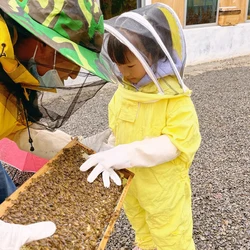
x=158 y=203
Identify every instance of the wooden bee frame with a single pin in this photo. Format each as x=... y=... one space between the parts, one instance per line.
x=8 y=203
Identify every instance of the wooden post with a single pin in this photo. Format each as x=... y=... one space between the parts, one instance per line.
x=239 y=4
x=177 y=5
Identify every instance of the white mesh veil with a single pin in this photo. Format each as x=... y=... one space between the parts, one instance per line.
x=160 y=32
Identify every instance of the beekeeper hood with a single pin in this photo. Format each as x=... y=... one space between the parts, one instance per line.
x=159 y=31
x=73 y=28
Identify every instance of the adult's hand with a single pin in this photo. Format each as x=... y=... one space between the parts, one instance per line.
x=13 y=236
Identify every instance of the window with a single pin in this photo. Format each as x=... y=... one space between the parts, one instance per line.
x=201 y=11
x=111 y=8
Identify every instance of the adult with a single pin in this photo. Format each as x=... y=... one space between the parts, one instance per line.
x=41 y=45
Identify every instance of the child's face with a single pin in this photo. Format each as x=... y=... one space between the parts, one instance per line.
x=132 y=70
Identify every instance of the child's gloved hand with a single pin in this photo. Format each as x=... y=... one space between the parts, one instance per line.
x=105 y=162
x=107 y=174
x=13 y=236
x=146 y=153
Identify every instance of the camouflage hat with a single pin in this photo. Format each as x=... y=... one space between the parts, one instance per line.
x=73 y=28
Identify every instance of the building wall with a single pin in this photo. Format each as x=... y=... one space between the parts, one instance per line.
x=209 y=43
x=213 y=43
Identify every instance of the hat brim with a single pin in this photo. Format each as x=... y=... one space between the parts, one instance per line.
x=85 y=58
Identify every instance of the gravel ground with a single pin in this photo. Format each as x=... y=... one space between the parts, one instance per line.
x=220 y=173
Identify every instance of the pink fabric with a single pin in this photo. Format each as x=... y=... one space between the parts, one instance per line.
x=24 y=161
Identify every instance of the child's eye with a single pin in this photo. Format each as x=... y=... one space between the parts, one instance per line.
x=131 y=66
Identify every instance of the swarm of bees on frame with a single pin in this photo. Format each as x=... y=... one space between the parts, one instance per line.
x=80 y=210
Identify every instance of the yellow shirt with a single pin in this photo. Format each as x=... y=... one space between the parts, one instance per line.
x=11 y=118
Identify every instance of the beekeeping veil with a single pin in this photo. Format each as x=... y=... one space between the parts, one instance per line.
x=160 y=32
x=74 y=29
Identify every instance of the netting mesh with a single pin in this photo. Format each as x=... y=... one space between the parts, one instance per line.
x=58 y=107
x=49 y=109
x=155 y=37
x=152 y=33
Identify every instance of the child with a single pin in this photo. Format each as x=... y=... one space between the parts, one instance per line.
x=155 y=127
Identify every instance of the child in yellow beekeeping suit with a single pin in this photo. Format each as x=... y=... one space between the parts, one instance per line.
x=154 y=126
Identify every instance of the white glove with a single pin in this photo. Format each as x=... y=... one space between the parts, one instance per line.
x=13 y=236
x=145 y=153
x=98 y=142
x=101 y=142
x=46 y=143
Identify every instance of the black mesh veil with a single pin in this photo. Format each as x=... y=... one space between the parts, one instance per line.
x=52 y=105
x=50 y=109
x=56 y=108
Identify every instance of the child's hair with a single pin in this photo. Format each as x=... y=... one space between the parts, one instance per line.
x=117 y=50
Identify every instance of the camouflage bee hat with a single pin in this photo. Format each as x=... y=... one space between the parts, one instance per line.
x=73 y=28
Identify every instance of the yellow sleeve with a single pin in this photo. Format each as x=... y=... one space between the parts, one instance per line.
x=111 y=116
x=8 y=118
x=183 y=127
